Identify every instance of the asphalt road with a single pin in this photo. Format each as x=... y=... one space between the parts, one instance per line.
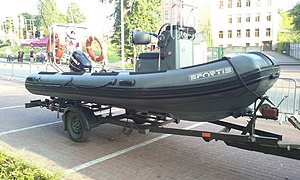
x=38 y=135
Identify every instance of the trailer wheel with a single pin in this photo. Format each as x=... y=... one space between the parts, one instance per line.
x=76 y=126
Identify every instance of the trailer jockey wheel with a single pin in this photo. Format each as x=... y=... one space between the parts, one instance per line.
x=76 y=126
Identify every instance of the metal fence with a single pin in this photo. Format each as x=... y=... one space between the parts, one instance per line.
x=214 y=53
x=294 y=50
x=23 y=70
x=284 y=95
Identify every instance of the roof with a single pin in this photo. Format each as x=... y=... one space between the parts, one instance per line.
x=36 y=42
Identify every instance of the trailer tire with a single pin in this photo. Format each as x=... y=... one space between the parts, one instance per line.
x=76 y=126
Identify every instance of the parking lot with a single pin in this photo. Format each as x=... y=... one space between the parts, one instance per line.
x=110 y=154
x=37 y=135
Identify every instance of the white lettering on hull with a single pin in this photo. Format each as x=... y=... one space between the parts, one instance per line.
x=211 y=73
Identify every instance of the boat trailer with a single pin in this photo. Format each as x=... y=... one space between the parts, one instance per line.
x=80 y=117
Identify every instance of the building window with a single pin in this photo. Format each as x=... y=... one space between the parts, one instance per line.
x=256 y=44
x=268 y=32
x=229 y=45
x=269 y=2
x=238 y=33
x=229 y=3
x=247 y=32
x=248 y=3
x=256 y=32
x=166 y=15
x=220 y=45
x=257 y=18
x=248 y=18
x=238 y=3
x=268 y=16
x=221 y=34
x=247 y=44
x=239 y=19
x=229 y=33
x=229 y=19
x=166 y=2
x=257 y=3
x=221 y=4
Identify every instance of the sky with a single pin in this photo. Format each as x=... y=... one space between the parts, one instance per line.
x=95 y=11
x=89 y=7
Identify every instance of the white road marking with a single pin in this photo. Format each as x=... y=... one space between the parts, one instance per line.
x=117 y=153
x=28 y=128
x=12 y=107
x=17 y=94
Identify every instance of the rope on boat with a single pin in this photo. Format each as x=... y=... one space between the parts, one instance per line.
x=240 y=78
x=112 y=82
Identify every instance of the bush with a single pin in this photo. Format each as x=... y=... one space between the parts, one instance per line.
x=4 y=45
x=283 y=47
x=15 y=168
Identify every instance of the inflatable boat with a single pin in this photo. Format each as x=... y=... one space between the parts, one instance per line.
x=205 y=92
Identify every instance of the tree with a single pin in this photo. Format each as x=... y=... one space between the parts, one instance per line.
x=295 y=14
x=74 y=15
x=144 y=15
x=49 y=13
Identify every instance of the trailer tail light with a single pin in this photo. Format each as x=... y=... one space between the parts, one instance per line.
x=270 y=113
x=206 y=135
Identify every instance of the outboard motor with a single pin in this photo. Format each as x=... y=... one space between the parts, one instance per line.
x=79 y=62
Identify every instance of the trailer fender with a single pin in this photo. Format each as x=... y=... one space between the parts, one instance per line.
x=86 y=114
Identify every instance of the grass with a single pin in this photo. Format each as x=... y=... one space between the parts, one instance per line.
x=16 y=168
x=113 y=53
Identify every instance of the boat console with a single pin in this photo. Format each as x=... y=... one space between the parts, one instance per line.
x=176 y=47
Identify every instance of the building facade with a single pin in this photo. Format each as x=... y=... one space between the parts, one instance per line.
x=244 y=23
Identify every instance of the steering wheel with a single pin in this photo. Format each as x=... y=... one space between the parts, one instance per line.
x=162 y=27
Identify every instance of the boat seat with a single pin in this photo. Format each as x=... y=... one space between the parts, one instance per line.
x=149 y=55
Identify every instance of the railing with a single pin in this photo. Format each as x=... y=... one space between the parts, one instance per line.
x=22 y=70
x=294 y=50
x=214 y=53
x=284 y=95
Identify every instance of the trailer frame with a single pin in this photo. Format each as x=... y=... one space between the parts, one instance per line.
x=80 y=117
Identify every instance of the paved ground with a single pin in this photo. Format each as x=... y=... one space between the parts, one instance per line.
x=36 y=134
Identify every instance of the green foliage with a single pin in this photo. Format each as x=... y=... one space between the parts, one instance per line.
x=14 y=50
x=74 y=15
x=283 y=47
x=113 y=54
x=289 y=33
x=3 y=45
x=295 y=14
x=144 y=15
x=126 y=66
x=287 y=21
x=15 y=168
x=291 y=37
x=49 y=13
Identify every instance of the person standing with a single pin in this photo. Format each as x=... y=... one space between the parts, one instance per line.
x=31 y=54
x=8 y=55
x=20 y=56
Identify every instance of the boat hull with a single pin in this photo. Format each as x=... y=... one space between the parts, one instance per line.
x=205 y=92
